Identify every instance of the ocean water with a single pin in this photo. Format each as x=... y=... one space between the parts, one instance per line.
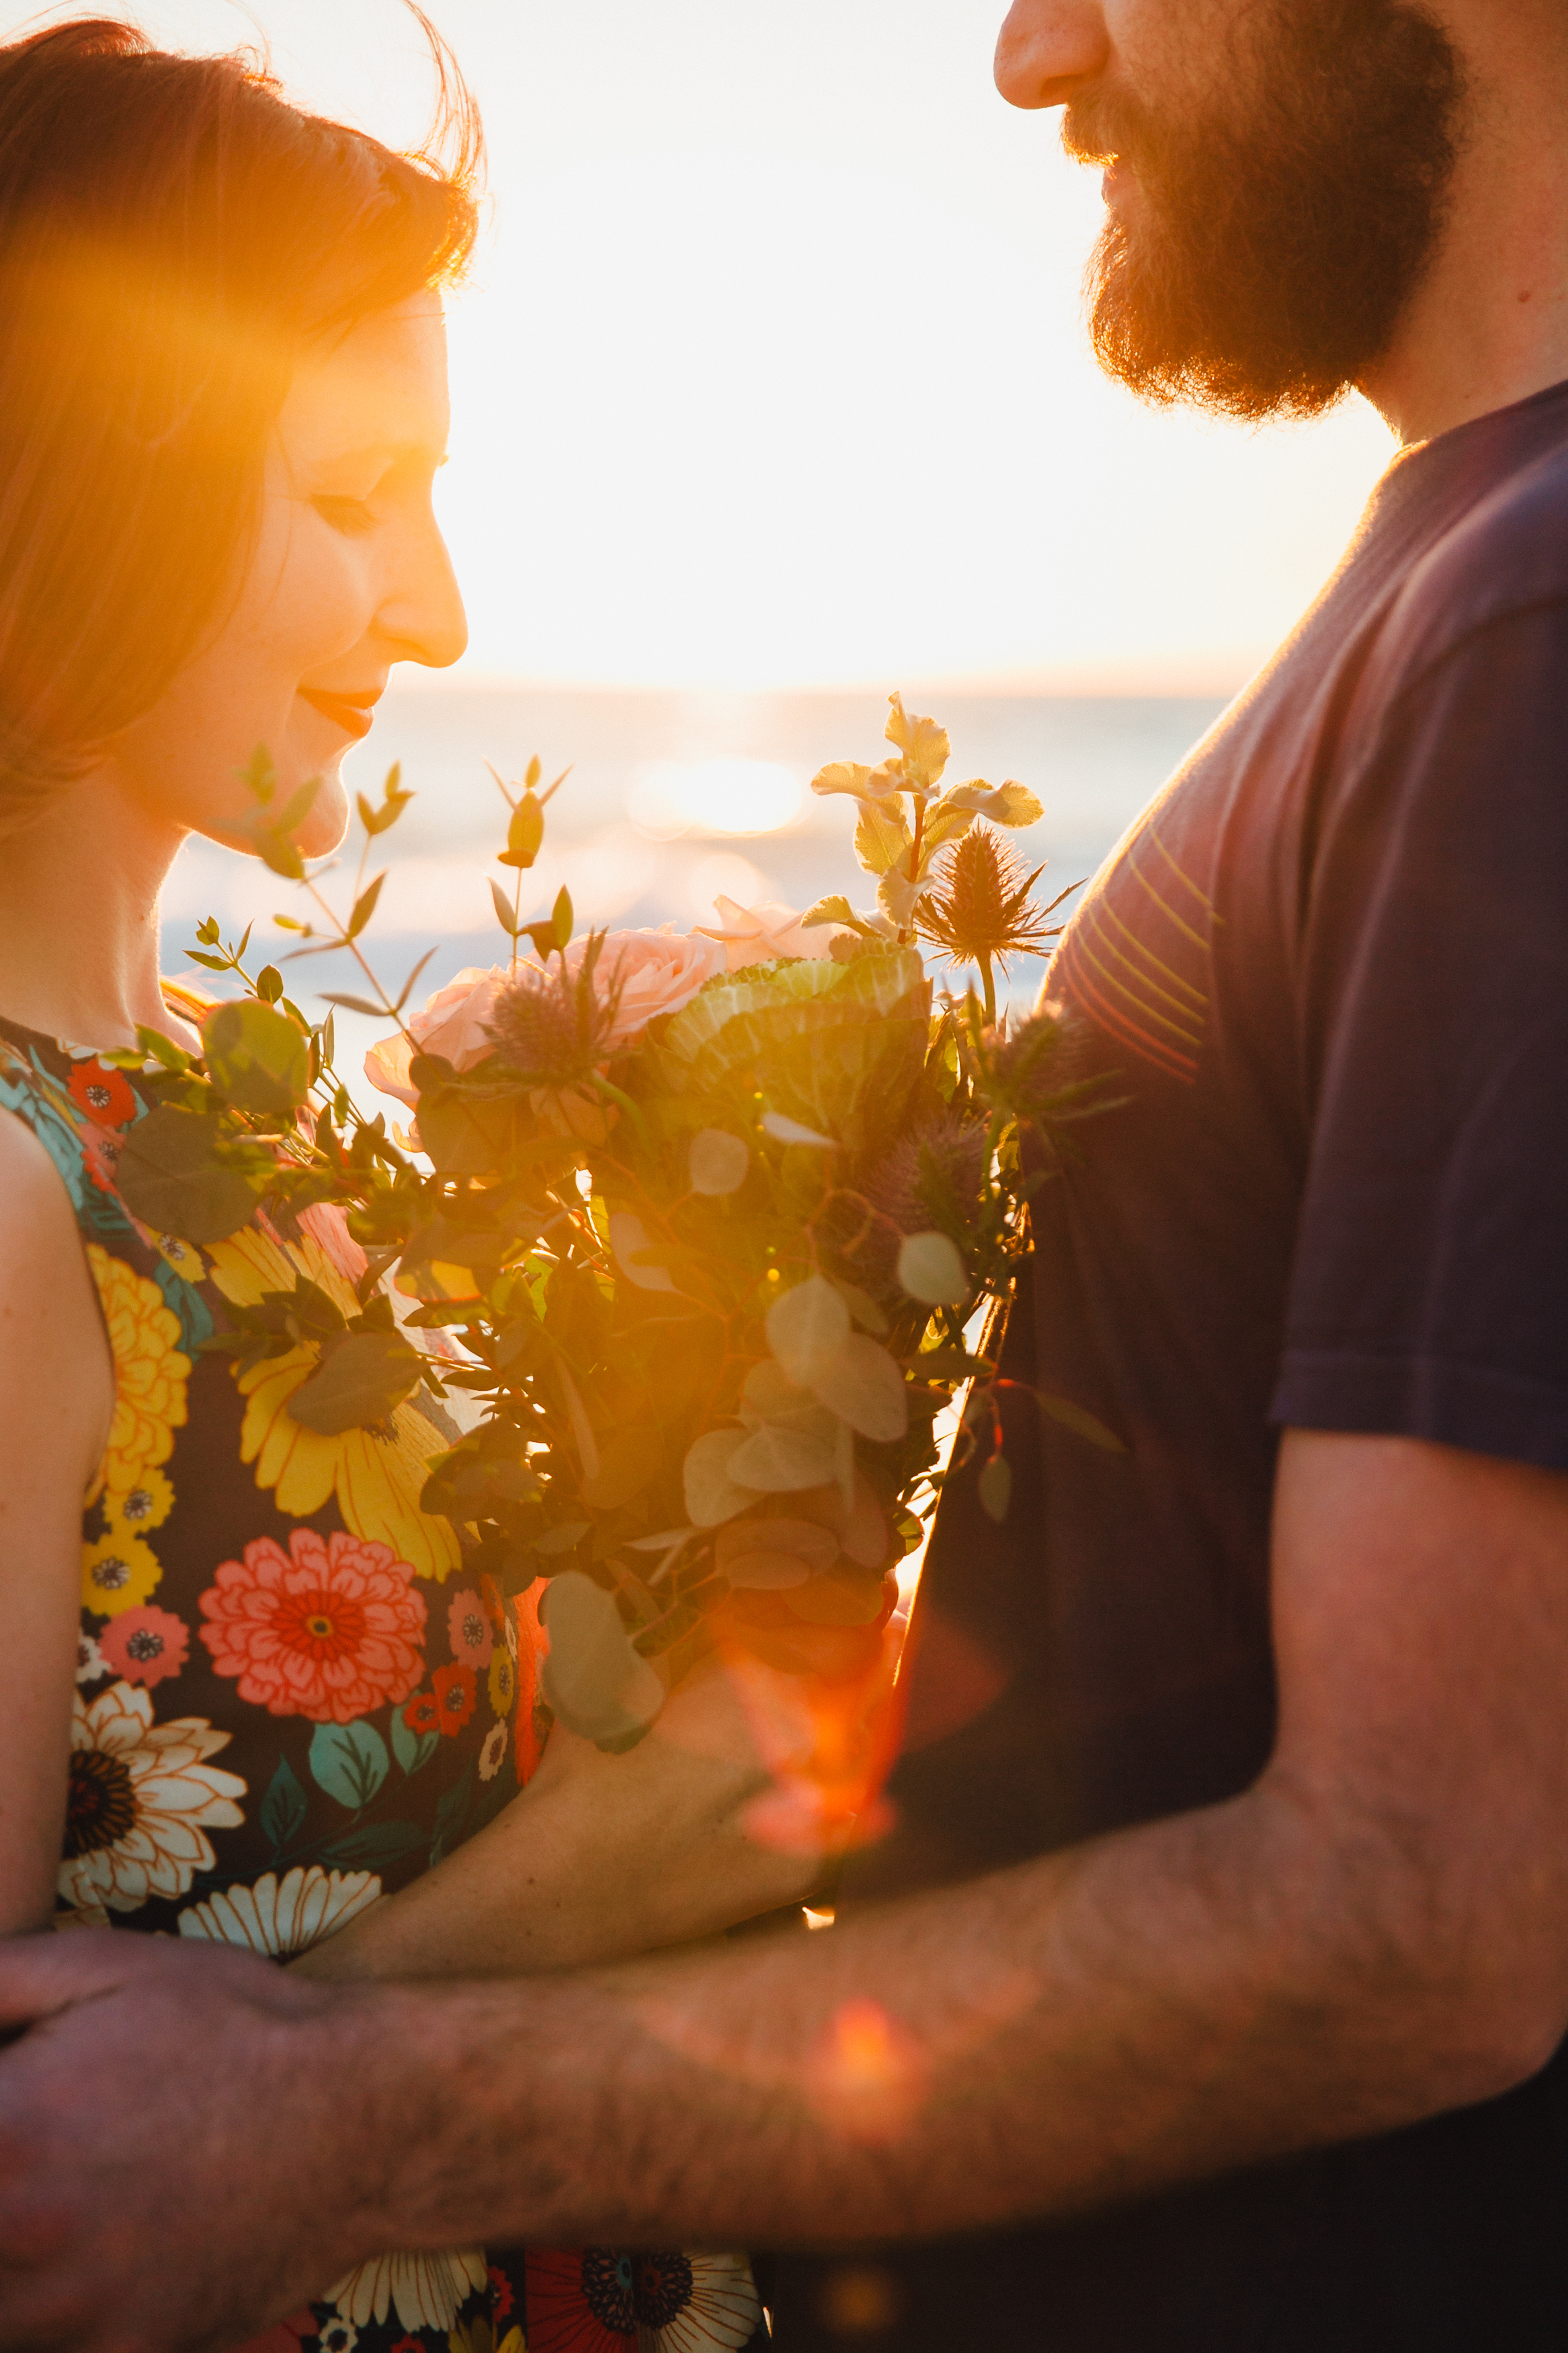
x=671 y=800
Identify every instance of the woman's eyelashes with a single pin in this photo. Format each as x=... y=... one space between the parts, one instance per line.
x=351 y=516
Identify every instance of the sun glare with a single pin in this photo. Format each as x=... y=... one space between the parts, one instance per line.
x=715 y=796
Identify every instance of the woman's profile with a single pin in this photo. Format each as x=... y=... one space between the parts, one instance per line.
x=255 y=1696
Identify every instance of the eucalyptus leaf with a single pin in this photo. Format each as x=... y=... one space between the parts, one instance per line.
x=364 y=907
x=256 y=1057
x=806 y=1328
x=505 y=913
x=629 y=1459
x=712 y=1495
x=598 y=1685
x=171 y=1177
x=863 y=1386
x=717 y=1163
x=781 y=1460
x=995 y=1484
x=360 y=1382
x=931 y=1269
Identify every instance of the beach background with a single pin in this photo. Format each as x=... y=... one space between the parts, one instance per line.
x=770 y=394
x=671 y=800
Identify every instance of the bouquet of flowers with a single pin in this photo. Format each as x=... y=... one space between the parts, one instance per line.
x=695 y=1236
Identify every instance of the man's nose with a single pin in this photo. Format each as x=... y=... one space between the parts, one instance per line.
x=1048 y=48
x=424 y=616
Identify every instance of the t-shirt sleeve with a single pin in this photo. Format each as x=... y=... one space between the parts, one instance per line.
x=1429 y=1292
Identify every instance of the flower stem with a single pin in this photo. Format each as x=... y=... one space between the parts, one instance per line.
x=990 y=988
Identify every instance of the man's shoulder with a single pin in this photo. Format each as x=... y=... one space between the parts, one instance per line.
x=1506 y=557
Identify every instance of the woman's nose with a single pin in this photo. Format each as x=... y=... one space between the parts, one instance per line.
x=1048 y=48
x=425 y=616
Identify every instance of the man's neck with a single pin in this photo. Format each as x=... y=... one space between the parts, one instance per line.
x=1488 y=325
x=79 y=916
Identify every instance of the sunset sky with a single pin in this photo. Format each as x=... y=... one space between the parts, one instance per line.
x=773 y=371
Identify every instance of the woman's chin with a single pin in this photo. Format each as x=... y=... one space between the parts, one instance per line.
x=328 y=821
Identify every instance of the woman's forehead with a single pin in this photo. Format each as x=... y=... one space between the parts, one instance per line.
x=379 y=389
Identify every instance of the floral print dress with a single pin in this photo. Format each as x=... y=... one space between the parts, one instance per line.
x=293 y=1696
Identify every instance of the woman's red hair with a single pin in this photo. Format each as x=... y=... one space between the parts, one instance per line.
x=171 y=233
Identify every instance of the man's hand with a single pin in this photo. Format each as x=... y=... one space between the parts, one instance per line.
x=1376 y=1932
x=178 y=2144
x=601 y=1858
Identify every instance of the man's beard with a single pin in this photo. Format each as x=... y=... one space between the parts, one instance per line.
x=1280 y=227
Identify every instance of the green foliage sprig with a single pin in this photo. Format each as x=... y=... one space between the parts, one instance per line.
x=699 y=1293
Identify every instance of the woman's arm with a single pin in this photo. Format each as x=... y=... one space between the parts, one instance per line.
x=600 y=1858
x=56 y=1397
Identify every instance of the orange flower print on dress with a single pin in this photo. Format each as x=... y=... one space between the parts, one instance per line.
x=456 y=1689
x=422 y=1715
x=146 y=1646
x=100 y=1153
x=469 y=1629
x=151 y=1371
x=106 y=1096
x=330 y=1629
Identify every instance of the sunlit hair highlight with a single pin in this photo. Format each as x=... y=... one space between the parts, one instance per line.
x=173 y=233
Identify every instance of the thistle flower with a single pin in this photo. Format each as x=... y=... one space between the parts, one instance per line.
x=980 y=912
x=1031 y=1070
x=931 y=1178
x=553 y=1028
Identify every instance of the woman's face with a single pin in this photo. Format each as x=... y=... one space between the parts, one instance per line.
x=349 y=574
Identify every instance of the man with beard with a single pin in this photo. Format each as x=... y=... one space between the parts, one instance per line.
x=1212 y=1981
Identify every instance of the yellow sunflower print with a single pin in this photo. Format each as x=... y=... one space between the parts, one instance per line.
x=151 y=1372
x=141 y=1507
x=118 y=1573
x=376 y=1474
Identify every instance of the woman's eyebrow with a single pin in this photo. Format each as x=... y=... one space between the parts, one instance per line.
x=385 y=454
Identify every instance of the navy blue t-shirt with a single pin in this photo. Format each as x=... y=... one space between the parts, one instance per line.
x=1330 y=966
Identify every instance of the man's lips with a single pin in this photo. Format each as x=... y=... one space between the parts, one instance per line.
x=353 y=713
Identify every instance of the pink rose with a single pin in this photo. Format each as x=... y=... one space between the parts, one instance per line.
x=758 y=934
x=657 y=972
x=452 y=1025
x=327 y=1224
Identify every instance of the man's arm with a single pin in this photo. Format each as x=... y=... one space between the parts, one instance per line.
x=1378 y=1931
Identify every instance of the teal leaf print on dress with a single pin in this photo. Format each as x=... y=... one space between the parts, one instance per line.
x=412 y=1749
x=375 y=1848
x=449 y=1815
x=196 y=1327
x=54 y=1131
x=284 y=1807
x=350 y=1762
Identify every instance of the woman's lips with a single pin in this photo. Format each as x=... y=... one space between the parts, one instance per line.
x=354 y=713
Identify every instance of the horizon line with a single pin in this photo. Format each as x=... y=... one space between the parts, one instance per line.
x=1220 y=677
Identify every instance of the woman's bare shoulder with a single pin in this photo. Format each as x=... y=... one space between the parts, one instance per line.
x=50 y=1328
x=36 y=1206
